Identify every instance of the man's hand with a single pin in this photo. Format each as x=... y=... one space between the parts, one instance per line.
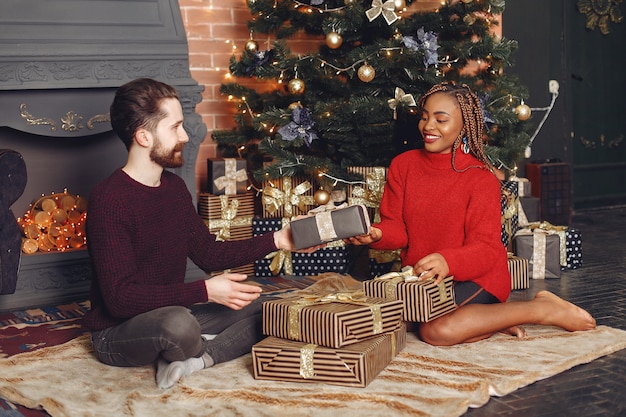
x=374 y=235
x=283 y=240
x=226 y=289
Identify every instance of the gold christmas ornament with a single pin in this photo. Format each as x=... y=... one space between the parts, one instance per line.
x=294 y=105
x=296 y=86
x=399 y=4
x=466 y=1
x=252 y=46
x=334 y=40
x=321 y=197
x=366 y=73
x=523 y=112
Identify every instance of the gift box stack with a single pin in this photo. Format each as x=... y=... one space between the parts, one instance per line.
x=422 y=301
x=228 y=209
x=336 y=338
x=549 y=249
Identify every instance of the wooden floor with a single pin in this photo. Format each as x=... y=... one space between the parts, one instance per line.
x=597 y=388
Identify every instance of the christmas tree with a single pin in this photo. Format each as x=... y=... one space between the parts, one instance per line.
x=352 y=102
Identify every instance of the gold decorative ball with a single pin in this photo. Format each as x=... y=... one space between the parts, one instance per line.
x=366 y=73
x=321 y=197
x=334 y=40
x=294 y=105
x=399 y=4
x=466 y=1
x=523 y=112
x=296 y=86
x=252 y=46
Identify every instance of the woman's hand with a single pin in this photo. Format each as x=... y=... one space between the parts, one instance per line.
x=374 y=235
x=433 y=266
x=226 y=289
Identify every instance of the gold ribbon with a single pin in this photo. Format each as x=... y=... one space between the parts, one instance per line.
x=387 y=9
x=275 y=198
x=373 y=194
x=228 y=181
x=228 y=219
x=281 y=258
x=400 y=98
x=407 y=275
x=356 y=298
x=307 y=369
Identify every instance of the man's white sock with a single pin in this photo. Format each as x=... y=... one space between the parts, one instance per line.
x=169 y=373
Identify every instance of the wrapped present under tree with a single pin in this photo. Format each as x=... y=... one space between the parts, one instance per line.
x=227 y=176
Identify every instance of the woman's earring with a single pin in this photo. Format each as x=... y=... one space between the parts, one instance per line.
x=465 y=146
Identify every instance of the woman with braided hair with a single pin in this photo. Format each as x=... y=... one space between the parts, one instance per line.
x=441 y=206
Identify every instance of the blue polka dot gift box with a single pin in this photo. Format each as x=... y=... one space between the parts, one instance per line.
x=330 y=259
x=573 y=249
x=509 y=198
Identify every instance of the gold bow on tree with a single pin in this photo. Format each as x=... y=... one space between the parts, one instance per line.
x=372 y=194
x=275 y=198
x=228 y=219
x=281 y=259
x=228 y=181
x=400 y=98
x=387 y=9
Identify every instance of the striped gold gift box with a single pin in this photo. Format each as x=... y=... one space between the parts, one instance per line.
x=518 y=268
x=355 y=365
x=422 y=300
x=240 y=228
x=287 y=197
x=328 y=321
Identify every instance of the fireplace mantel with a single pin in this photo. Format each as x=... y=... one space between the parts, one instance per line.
x=60 y=64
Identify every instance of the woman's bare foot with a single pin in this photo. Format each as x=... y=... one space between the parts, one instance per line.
x=563 y=313
x=517 y=331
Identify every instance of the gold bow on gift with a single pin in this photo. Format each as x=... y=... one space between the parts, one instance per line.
x=281 y=258
x=387 y=9
x=228 y=218
x=275 y=198
x=356 y=298
x=406 y=275
x=400 y=98
x=510 y=211
x=370 y=196
x=228 y=181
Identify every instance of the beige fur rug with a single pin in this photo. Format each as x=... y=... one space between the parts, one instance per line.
x=67 y=380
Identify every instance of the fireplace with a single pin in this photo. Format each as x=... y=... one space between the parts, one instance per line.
x=60 y=64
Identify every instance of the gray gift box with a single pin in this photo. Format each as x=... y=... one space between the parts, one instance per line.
x=330 y=225
x=524 y=247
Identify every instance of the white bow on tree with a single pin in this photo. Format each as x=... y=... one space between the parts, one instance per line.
x=400 y=98
x=387 y=9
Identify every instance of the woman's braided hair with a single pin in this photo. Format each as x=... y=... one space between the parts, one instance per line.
x=473 y=122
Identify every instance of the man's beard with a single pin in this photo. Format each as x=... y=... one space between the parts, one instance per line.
x=167 y=158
